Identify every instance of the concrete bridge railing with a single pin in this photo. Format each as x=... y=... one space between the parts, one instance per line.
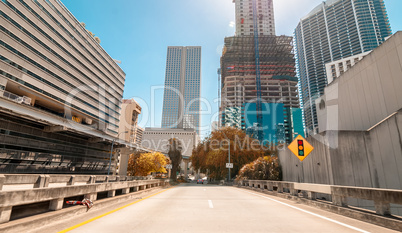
x=24 y=181
x=56 y=195
x=382 y=197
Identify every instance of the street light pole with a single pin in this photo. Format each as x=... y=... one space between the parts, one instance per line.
x=228 y=153
x=229 y=161
x=111 y=153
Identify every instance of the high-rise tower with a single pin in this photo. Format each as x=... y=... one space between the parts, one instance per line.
x=181 y=101
x=259 y=84
x=334 y=30
x=245 y=14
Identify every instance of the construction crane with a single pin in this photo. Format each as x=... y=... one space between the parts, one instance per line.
x=219 y=84
x=219 y=97
x=260 y=132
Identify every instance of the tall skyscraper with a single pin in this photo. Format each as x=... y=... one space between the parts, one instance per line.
x=276 y=72
x=181 y=101
x=245 y=14
x=334 y=30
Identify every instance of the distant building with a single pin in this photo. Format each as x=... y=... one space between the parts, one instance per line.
x=130 y=110
x=158 y=138
x=337 y=68
x=215 y=126
x=139 y=135
x=181 y=100
x=60 y=92
x=334 y=30
x=245 y=15
x=232 y=117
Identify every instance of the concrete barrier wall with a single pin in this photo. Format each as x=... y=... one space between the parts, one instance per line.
x=26 y=181
x=307 y=193
x=381 y=197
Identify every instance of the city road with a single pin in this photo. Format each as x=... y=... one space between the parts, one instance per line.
x=210 y=208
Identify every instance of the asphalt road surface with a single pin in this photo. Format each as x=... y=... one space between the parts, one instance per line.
x=210 y=208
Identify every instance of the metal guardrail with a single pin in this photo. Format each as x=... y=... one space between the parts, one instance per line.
x=41 y=192
x=382 y=197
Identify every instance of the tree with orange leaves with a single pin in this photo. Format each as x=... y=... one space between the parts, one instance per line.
x=264 y=168
x=211 y=155
x=141 y=164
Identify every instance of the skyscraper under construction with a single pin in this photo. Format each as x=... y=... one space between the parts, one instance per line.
x=259 y=84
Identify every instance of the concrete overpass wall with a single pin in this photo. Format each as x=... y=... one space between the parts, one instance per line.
x=329 y=163
x=354 y=158
x=351 y=158
x=386 y=153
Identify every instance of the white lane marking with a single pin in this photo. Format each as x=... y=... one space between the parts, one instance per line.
x=205 y=190
x=308 y=212
x=210 y=204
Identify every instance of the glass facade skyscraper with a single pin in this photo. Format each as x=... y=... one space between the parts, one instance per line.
x=334 y=30
x=181 y=101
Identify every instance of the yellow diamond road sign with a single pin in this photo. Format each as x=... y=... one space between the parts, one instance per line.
x=301 y=148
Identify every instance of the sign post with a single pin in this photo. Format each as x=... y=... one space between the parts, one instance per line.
x=301 y=148
x=169 y=167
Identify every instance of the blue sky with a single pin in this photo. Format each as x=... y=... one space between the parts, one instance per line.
x=139 y=32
